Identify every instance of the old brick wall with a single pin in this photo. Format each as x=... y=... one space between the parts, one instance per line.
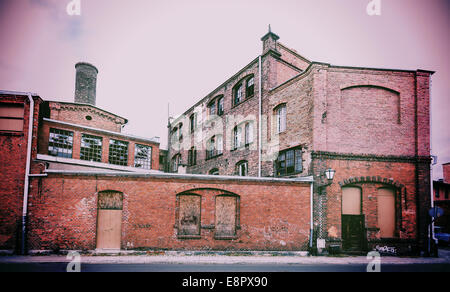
x=12 y=172
x=272 y=216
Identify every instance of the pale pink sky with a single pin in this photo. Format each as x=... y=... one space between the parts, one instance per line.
x=151 y=53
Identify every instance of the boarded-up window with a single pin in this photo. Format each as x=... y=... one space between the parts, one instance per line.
x=226 y=216
x=189 y=215
x=386 y=212
x=351 y=201
x=11 y=117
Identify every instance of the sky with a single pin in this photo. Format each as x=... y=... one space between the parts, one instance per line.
x=160 y=56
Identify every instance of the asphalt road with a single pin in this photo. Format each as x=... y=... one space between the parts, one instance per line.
x=61 y=267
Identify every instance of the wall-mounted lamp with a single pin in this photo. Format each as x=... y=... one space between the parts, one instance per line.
x=329 y=173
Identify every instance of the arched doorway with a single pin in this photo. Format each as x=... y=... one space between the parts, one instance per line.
x=109 y=220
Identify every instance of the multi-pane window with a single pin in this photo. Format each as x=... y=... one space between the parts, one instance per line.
x=214 y=147
x=60 y=143
x=11 y=117
x=281 y=118
x=212 y=108
x=91 y=148
x=289 y=162
x=242 y=168
x=118 y=152
x=238 y=94
x=143 y=156
x=250 y=89
x=192 y=156
x=220 y=109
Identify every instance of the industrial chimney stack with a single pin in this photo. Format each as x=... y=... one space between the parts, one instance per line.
x=85 y=83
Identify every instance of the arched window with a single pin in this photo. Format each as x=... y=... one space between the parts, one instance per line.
x=214 y=171
x=214 y=146
x=280 y=116
x=242 y=168
x=238 y=94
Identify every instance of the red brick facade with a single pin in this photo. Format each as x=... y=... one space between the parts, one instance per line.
x=13 y=156
x=271 y=215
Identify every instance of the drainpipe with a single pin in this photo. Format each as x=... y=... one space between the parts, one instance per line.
x=311 y=202
x=260 y=116
x=28 y=162
x=27 y=173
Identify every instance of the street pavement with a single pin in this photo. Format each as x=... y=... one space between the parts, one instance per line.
x=221 y=263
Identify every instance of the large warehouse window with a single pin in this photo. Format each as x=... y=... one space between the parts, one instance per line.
x=60 y=143
x=143 y=156
x=91 y=148
x=118 y=152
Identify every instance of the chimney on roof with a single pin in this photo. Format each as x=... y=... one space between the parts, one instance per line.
x=85 y=83
x=270 y=41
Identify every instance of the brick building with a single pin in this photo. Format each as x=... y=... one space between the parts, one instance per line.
x=441 y=194
x=283 y=115
x=287 y=154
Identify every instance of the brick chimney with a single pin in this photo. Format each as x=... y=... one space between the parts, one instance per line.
x=85 y=83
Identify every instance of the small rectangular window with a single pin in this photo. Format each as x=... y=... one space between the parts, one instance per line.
x=238 y=94
x=11 y=117
x=60 y=143
x=143 y=156
x=118 y=152
x=91 y=148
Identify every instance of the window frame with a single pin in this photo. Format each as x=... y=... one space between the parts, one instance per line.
x=86 y=152
x=126 y=153
x=148 y=162
x=239 y=166
x=69 y=153
x=281 y=118
x=295 y=159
